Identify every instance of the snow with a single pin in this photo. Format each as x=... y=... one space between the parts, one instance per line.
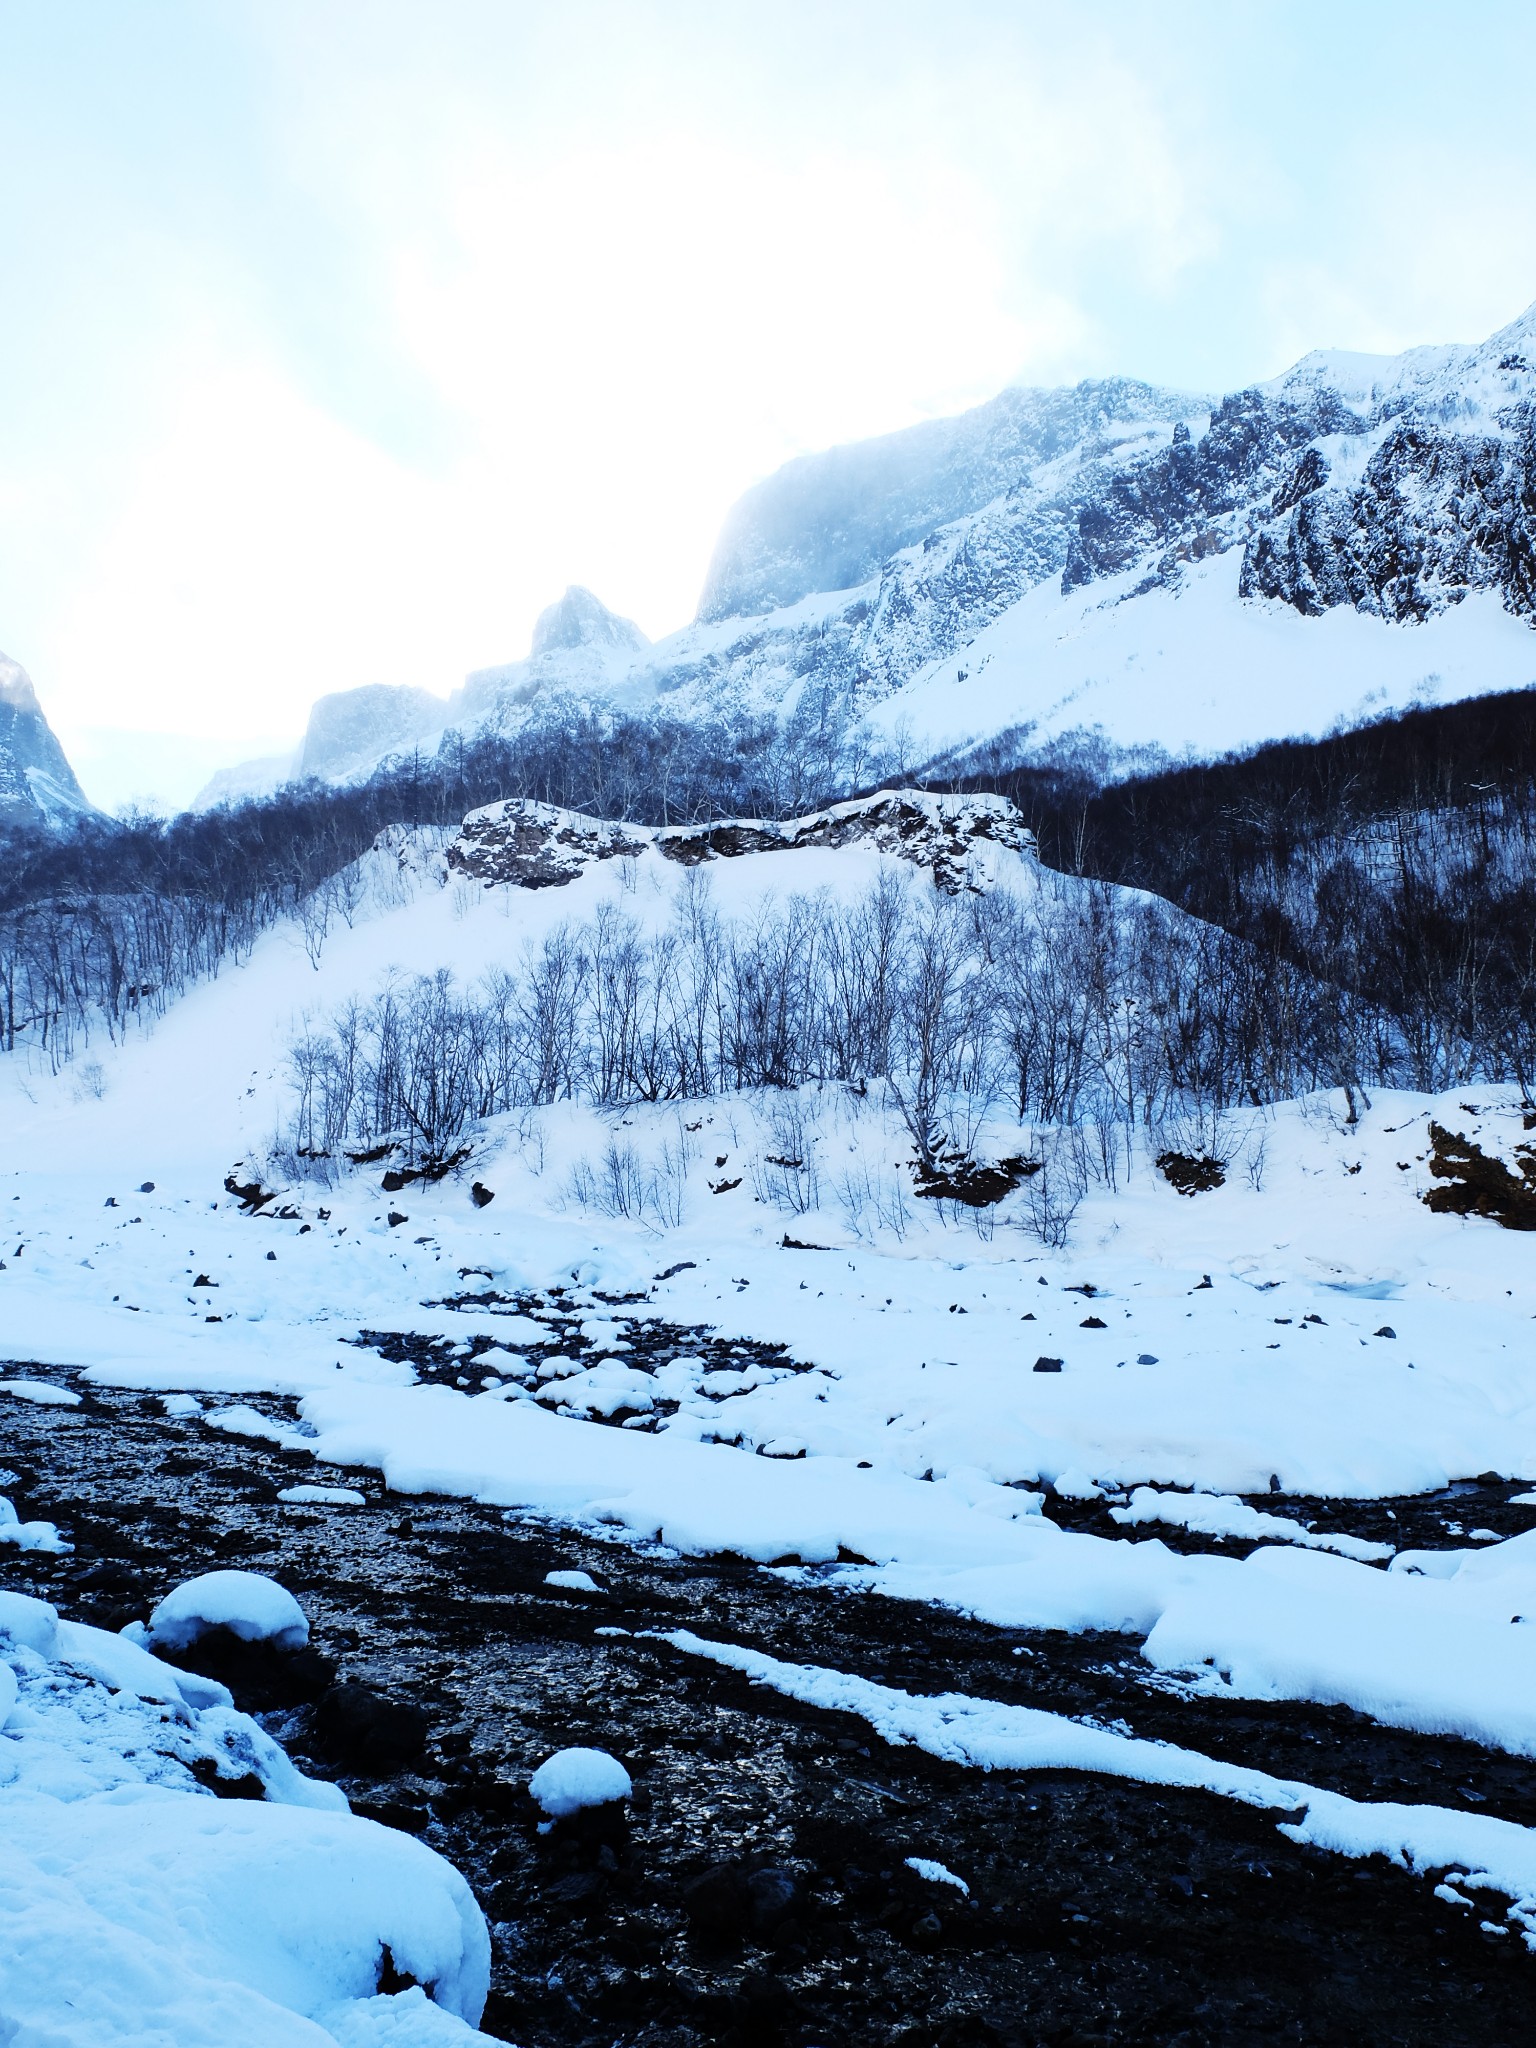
x=27 y=1535
x=572 y=1582
x=1197 y=668
x=936 y=1873
x=248 y=1604
x=323 y=1496
x=225 y=1923
x=1221 y=1515
x=574 y=1779
x=138 y=1907
x=892 y=1429
x=40 y=1392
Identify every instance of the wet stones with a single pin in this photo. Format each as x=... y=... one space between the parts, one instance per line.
x=361 y=1729
x=734 y=1902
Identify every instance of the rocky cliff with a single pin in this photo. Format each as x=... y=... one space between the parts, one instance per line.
x=37 y=784
x=957 y=839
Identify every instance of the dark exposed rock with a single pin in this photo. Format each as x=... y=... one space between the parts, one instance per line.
x=1478 y=1185
x=1190 y=1173
x=1179 y=497
x=954 y=1177
x=537 y=846
x=250 y=1194
x=732 y=1902
x=360 y=1727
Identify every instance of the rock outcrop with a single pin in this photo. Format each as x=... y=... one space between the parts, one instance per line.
x=958 y=839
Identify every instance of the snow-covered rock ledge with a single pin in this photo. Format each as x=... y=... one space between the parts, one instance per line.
x=539 y=846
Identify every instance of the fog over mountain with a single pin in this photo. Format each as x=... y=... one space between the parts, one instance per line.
x=1158 y=567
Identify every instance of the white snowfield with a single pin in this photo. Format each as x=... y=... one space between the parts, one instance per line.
x=1198 y=669
x=138 y=1907
x=1212 y=1350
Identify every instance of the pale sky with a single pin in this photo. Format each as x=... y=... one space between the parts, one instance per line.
x=337 y=339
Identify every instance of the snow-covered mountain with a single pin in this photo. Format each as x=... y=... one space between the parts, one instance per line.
x=579 y=648
x=37 y=784
x=1150 y=565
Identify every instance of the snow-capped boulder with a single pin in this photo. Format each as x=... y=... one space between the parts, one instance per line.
x=248 y=1604
x=535 y=846
x=574 y=1779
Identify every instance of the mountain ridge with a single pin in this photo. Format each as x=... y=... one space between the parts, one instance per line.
x=1146 y=567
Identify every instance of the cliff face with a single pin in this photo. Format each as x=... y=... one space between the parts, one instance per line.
x=832 y=521
x=957 y=839
x=37 y=784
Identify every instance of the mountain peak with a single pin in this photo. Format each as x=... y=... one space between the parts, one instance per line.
x=16 y=689
x=37 y=784
x=581 y=620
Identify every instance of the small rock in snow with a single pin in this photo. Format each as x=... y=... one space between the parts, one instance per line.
x=1047 y=1365
x=573 y=1779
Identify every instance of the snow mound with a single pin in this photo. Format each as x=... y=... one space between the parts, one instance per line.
x=136 y=1907
x=42 y=1393
x=28 y=1535
x=155 y=1915
x=1218 y=1514
x=249 y=1605
x=573 y=1779
x=572 y=1582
